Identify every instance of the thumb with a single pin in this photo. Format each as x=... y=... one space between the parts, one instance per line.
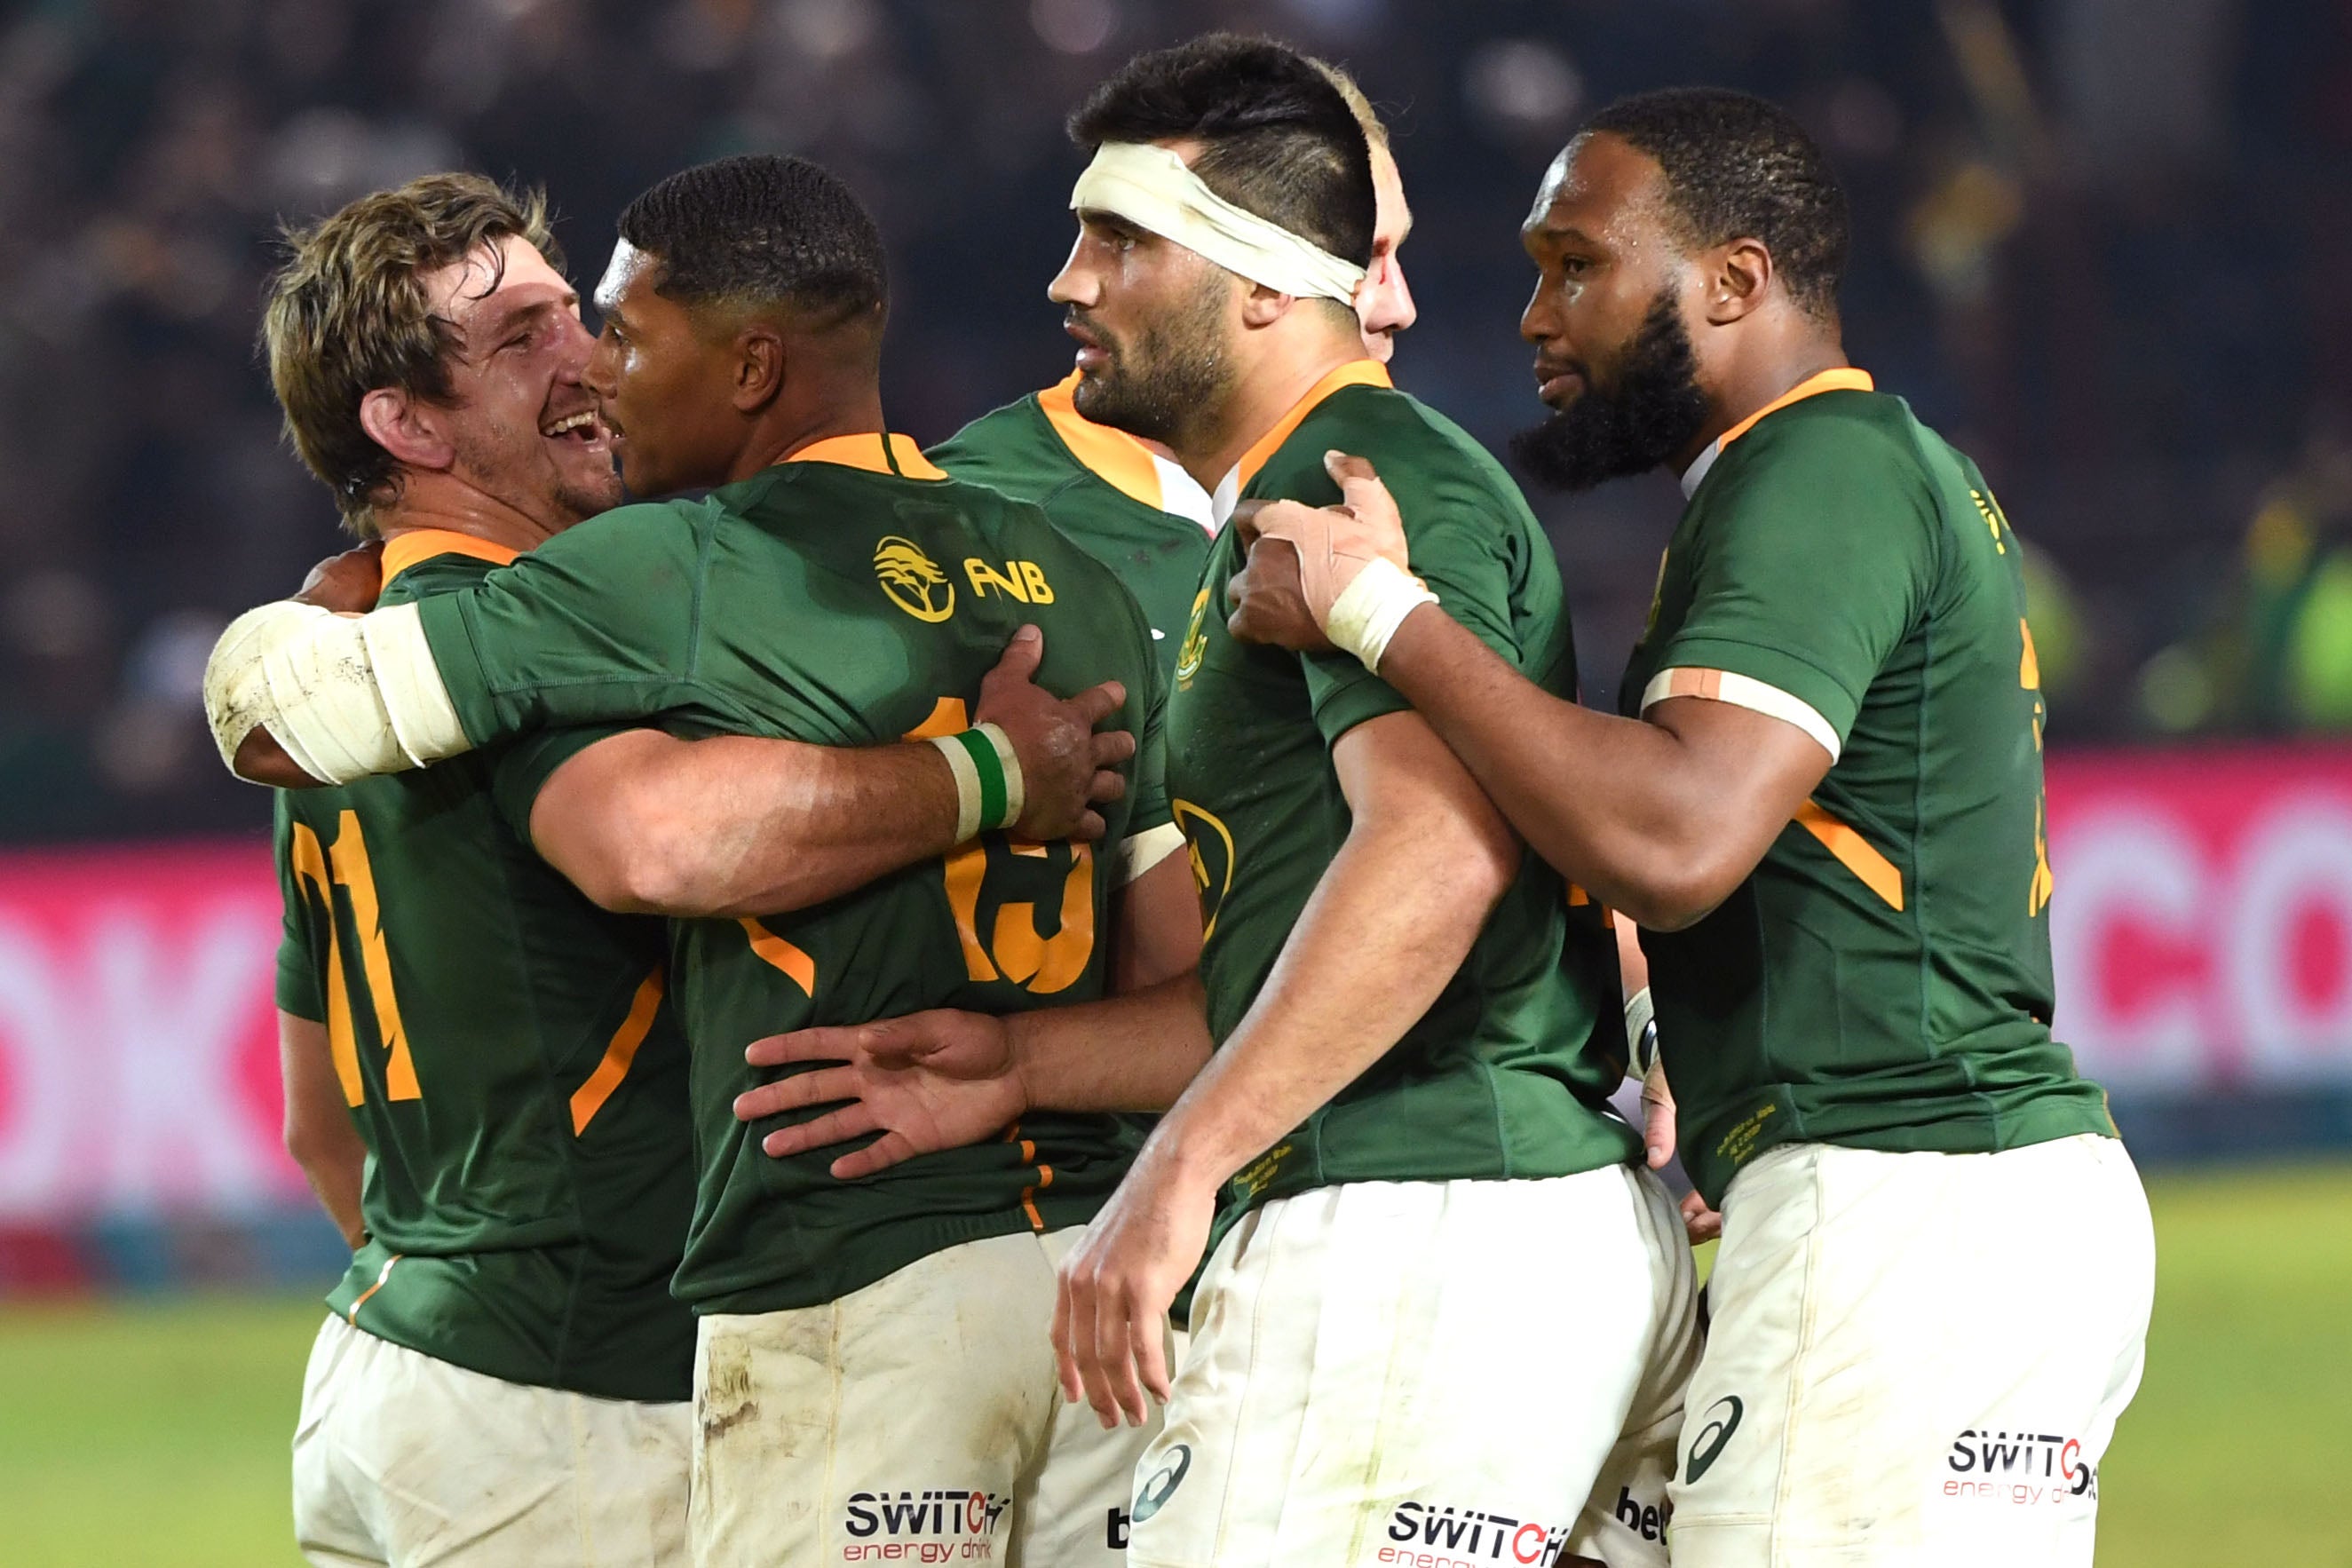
x=1022 y=655
x=1359 y=486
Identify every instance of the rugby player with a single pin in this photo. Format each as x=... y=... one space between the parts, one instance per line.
x=1825 y=806
x=869 y=1375
x=1126 y=498
x=522 y=1080
x=504 y=1376
x=1447 y=1308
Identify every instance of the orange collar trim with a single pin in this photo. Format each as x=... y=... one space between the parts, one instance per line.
x=901 y=457
x=1354 y=373
x=1114 y=457
x=1845 y=378
x=413 y=546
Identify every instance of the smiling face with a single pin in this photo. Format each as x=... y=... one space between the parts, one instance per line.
x=1609 y=319
x=663 y=381
x=523 y=429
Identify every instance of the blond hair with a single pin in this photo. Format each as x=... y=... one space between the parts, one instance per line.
x=1375 y=133
x=348 y=314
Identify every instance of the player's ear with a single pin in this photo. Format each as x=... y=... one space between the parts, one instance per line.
x=1739 y=275
x=759 y=366
x=407 y=428
x=1262 y=306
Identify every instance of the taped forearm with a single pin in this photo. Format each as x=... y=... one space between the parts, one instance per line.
x=346 y=696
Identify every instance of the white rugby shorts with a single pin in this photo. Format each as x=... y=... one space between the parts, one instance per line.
x=404 y=1459
x=1915 y=1359
x=918 y=1420
x=1429 y=1375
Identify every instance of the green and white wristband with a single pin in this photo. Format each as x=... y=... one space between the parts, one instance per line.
x=989 y=795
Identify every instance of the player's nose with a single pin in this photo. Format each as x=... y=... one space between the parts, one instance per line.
x=1076 y=283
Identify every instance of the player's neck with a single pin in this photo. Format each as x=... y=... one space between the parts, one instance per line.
x=443 y=501
x=1262 y=395
x=1747 y=382
x=785 y=429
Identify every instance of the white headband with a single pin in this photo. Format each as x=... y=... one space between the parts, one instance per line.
x=1151 y=187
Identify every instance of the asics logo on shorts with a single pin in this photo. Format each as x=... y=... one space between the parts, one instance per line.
x=1723 y=1420
x=1154 y=1493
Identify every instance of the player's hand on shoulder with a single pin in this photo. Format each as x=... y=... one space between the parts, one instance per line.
x=1067 y=769
x=1302 y=559
x=346 y=583
x=925 y=1082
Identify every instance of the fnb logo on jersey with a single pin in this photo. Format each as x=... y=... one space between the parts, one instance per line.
x=2024 y=1468
x=943 y=1525
x=1449 y=1537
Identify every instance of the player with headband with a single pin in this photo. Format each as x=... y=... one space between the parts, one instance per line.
x=1444 y=1305
x=1127 y=499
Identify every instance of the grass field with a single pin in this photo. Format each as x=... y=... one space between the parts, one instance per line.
x=155 y=1434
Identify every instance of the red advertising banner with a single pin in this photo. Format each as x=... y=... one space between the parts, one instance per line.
x=2203 y=925
x=2203 y=920
x=138 y=1032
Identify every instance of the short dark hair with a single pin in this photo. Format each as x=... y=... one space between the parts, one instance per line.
x=1738 y=166
x=758 y=230
x=1280 y=140
x=347 y=314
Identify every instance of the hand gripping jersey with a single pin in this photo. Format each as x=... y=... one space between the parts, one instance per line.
x=850 y=598
x=1509 y=1072
x=510 y=1055
x=1137 y=513
x=1882 y=979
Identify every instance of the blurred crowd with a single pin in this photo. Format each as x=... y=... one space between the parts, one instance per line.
x=2096 y=242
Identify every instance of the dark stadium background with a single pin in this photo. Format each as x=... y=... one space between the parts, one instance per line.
x=2099 y=243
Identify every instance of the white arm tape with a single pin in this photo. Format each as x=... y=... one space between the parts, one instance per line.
x=1369 y=610
x=1641 y=1031
x=347 y=696
x=1140 y=852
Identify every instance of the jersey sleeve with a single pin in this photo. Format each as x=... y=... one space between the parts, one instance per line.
x=301 y=986
x=522 y=767
x=1152 y=807
x=599 y=624
x=1805 y=579
x=1456 y=536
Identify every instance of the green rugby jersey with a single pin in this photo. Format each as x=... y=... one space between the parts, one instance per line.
x=1508 y=1073
x=1882 y=979
x=852 y=596
x=1135 y=512
x=508 y=1054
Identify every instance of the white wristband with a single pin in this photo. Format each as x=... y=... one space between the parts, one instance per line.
x=1368 y=611
x=1642 y=1032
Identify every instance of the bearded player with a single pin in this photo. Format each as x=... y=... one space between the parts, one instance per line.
x=451 y=1005
x=1825 y=806
x=1126 y=498
x=484 y=1082
x=1415 y=1022
x=810 y=597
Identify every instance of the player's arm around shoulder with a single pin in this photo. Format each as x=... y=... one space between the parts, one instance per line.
x=1660 y=819
x=299 y=692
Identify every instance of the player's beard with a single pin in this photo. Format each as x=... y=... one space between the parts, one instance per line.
x=1170 y=380
x=1654 y=410
x=512 y=465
